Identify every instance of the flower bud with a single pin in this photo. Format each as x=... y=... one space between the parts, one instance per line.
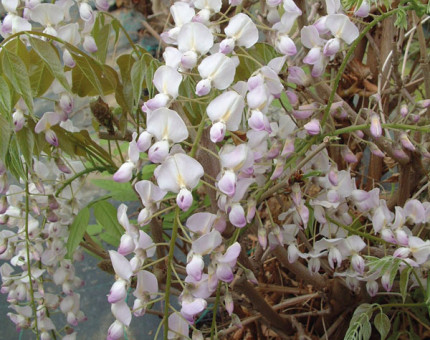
x=18 y=120
x=228 y=302
x=372 y=287
x=404 y=110
x=375 y=126
x=385 y=281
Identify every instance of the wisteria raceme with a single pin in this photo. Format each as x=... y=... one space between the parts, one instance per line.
x=264 y=136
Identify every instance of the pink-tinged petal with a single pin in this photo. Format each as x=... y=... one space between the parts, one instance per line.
x=144 y=141
x=124 y=173
x=231 y=254
x=89 y=44
x=224 y=272
x=363 y=10
x=47 y=14
x=184 y=199
x=10 y=5
x=51 y=137
x=401 y=237
x=297 y=76
x=133 y=151
x=237 y=216
x=227 y=183
x=68 y=59
x=102 y=5
x=200 y=223
x=372 y=287
x=386 y=281
x=226 y=46
x=257 y=121
x=293 y=253
x=234 y=157
x=291 y=7
x=228 y=302
x=146 y=243
x=177 y=326
x=279 y=170
x=18 y=120
x=144 y=217
x=159 y=101
x=406 y=143
x=189 y=60
x=341 y=27
x=86 y=12
x=334 y=258
x=313 y=56
x=348 y=156
x=118 y=292
x=149 y=192
x=207 y=243
x=358 y=263
x=333 y=6
x=313 y=127
x=388 y=236
x=122 y=312
x=172 y=56
x=120 y=265
x=195 y=267
x=217 y=132
x=414 y=210
x=167 y=80
x=146 y=283
x=126 y=245
x=158 y=152
x=285 y=45
x=189 y=309
x=139 y=307
x=203 y=87
x=310 y=37
x=166 y=124
x=258 y=97
x=331 y=47
x=115 y=331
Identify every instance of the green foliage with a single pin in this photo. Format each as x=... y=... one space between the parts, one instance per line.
x=118 y=191
x=49 y=55
x=382 y=324
x=5 y=133
x=125 y=64
x=5 y=98
x=16 y=72
x=106 y=215
x=25 y=141
x=360 y=327
x=77 y=230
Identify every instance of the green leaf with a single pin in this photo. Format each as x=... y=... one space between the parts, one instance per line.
x=5 y=98
x=5 y=133
x=101 y=37
x=148 y=171
x=125 y=63
x=13 y=160
x=77 y=230
x=382 y=324
x=366 y=330
x=94 y=229
x=50 y=57
x=118 y=191
x=26 y=144
x=108 y=238
x=404 y=280
x=15 y=70
x=41 y=77
x=106 y=215
x=137 y=77
x=84 y=77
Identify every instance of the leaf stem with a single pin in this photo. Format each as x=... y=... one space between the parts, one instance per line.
x=169 y=273
x=27 y=248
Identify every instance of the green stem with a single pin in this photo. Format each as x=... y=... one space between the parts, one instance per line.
x=79 y=174
x=350 y=52
x=198 y=136
x=27 y=248
x=214 y=311
x=169 y=273
x=353 y=128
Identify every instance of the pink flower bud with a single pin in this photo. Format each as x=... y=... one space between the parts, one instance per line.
x=144 y=141
x=66 y=103
x=423 y=104
x=404 y=110
x=86 y=12
x=158 y=151
x=313 y=127
x=18 y=120
x=401 y=237
x=386 y=282
x=226 y=46
x=217 y=132
x=237 y=216
x=348 y=156
x=285 y=45
x=228 y=302
x=372 y=287
x=102 y=5
x=293 y=253
x=184 y=199
x=51 y=137
x=331 y=47
x=292 y=97
x=89 y=44
x=189 y=60
x=118 y=291
x=407 y=144
x=203 y=87
x=375 y=126
x=195 y=267
x=388 y=236
x=124 y=173
x=314 y=265
x=126 y=245
x=115 y=331
x=376 y=151
x=68 y=59
x=358 y=263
